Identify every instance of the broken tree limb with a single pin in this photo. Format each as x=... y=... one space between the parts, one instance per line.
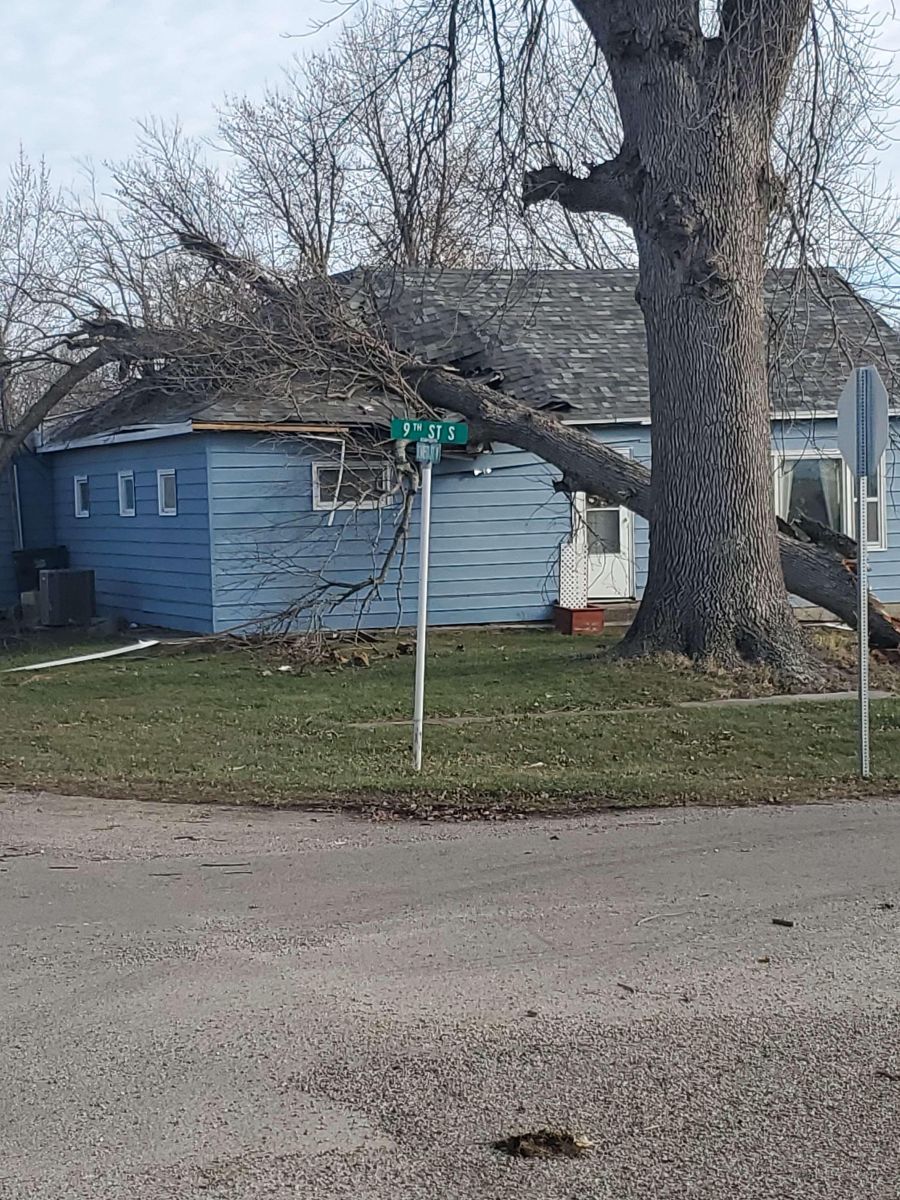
x=15 y=440
x=608 y=187
x=811 y=572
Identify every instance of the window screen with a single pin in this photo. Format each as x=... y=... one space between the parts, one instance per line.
x=82 y=496
x=353 y=484
x=873 y=507
x=604 y=531
x=813 y=489
x=126 y=494
x=818 y=489
x=167 y=488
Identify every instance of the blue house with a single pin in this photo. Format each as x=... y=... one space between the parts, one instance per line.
x=210 y=511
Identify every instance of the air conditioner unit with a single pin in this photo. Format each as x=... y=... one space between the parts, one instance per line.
x=66 y=597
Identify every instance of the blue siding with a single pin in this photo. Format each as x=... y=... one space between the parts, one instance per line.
x=149 y=569
x=247 y=543
x=790 y=437
x=494 y=540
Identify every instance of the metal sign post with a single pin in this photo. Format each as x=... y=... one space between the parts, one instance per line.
x=429 y=436
x=862 y=437
x=427 y=453
x=862 y=564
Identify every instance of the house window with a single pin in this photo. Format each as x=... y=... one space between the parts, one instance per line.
x=353 y=483
x=82 y=496
x=604 y=528
x=167 y=493
x=820 y=488
x=126 y=494
x=874 y=508
x=814 y=489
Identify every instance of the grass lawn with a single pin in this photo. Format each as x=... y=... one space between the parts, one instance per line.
x=228 y=724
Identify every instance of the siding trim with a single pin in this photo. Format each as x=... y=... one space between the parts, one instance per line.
x=599 y=422
x=15 y=497
x=212 y=543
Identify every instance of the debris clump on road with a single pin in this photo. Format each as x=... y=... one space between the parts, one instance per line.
x=545 y=1143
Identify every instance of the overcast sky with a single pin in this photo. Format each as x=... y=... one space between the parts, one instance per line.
x=76 y=74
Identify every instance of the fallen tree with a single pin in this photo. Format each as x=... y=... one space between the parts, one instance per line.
x=815 y=573
x=318 y=324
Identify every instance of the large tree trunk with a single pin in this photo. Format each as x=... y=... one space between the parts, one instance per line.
x=715 y=587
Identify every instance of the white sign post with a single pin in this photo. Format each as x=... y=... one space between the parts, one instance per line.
x=427 y=453
x=862 y=438
x=428 y=436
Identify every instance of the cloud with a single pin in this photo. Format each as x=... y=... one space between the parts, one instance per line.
x=75 y=75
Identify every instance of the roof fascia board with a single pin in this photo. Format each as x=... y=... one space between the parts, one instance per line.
x=147 y=433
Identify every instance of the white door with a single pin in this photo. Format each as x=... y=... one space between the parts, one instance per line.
x=608 y=540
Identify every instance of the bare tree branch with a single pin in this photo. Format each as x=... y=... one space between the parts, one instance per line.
x=609 y=187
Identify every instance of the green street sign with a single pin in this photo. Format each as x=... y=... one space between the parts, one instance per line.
x=411 y=429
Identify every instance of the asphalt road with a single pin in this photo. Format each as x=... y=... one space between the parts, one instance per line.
x=231 y=1004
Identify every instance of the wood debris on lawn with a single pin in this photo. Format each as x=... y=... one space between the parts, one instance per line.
x=295 y=653
x=423 y=810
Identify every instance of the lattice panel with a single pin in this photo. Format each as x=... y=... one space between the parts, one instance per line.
x=573 y=575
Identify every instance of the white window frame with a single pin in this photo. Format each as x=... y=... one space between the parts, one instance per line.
x=322 y=505
x=80 y=509
x=124 y=509
x=162 y=475
x=848 y=490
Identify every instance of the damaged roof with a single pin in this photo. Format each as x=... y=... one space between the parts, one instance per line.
x=574 y=342
x=570 y=341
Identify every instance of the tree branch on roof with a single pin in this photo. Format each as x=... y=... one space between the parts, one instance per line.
x=232 y=264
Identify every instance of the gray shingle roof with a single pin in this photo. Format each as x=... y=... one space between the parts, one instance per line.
x=572 y=341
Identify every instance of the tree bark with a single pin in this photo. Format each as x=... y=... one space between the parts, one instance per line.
x=714 y=588
x=820 y=576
